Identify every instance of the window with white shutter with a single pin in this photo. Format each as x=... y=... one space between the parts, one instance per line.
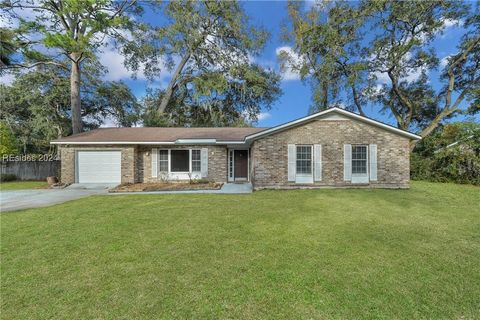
x=317 y=159
x=347 y=162
x=373 y=162
x=154 y=156
x=162 y=160
x=292 y=160
x=204 y=162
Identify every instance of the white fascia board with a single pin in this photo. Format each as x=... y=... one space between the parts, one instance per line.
x=232 y=142
x=196 y=141
x=180 y=141
x=340 y=111
x=111 y=142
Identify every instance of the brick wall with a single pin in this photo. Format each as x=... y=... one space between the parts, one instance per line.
x=270 y=157
x=217 y=162
x=137 y=161
x=67 y=156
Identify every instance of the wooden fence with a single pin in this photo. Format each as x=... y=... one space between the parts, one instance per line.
x=31 y=170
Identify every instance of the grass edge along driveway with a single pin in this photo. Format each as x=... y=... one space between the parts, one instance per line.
x=302 y=254
x=22 y=185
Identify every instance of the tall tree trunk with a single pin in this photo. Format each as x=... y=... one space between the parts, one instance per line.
x=75 y=95
x=169 y=91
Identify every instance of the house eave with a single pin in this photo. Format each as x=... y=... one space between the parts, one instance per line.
x=177 y=142
x=332 y=110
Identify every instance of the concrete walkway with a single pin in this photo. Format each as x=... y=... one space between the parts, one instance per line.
x=227 y=188
x=25 y=199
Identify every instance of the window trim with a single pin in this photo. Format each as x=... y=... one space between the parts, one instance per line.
x=311 y=160
x=199 y=160
x=366 y=160
x=160 y=160
x=190 y=161
x=361 y=178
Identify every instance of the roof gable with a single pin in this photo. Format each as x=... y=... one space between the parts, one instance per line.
x=333 y=114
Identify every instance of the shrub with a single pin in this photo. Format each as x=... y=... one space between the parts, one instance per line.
x=452 y=154
x=8 y=143
x=199 y=181
x=5 y=177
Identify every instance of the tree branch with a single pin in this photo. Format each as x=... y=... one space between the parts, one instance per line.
x=33 y=65
x=404 y=100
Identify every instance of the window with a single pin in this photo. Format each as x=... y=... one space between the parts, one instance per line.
x=304 y=159
x=163 y=160
x=196 y=167
x=179 y=160
x=359 y=159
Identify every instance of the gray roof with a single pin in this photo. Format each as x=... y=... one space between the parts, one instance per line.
x=155 y=135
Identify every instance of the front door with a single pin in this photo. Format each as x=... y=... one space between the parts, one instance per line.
x=241 y=164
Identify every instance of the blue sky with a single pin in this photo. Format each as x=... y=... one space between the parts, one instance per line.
x=296 y=98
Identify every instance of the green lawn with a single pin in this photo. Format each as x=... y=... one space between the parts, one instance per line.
x=304 y=254
x=19 y=185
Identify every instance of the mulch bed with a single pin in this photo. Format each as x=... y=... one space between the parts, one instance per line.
x=164 y=186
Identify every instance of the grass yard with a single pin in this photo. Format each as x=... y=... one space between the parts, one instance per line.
x=303 y=254
x=19 y=185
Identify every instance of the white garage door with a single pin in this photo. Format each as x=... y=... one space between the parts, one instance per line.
x=99 y=167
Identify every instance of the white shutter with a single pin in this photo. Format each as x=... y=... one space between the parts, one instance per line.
x=373 y=162
x=204 y=162
x=292 y=162
x=154 y=162
x=317 y=158
x=347 y=162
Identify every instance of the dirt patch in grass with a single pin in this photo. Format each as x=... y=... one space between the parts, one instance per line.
x=165 y=186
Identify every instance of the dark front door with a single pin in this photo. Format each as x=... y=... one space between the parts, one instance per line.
x=241 y=164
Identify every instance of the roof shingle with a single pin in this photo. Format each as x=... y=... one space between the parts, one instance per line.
x=154 y=134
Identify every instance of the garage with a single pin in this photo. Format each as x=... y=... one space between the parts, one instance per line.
x=99 y=166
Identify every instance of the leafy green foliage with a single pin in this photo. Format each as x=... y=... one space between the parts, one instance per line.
x=8 y=46
x=213 y=100
x=327 y=52
x=207 y=45
x=451 y=154
x=7 y=177
x=36 y=106
x=67 y=33
x=343 y=48
x=8 y=143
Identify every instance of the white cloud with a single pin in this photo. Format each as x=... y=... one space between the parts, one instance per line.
x=7 y=79
x=263 y=116
x=114 y=62
x=109 y=122
x=444 y=61
x=413 y=75
x=290 y=60
x=448 y=23
x=382 y=77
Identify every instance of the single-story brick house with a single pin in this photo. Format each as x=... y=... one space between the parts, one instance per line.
x=332 y=148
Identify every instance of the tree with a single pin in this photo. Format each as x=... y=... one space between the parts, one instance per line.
x=450 y=154
x=8 y=143
x=36 y=106
x=392 y=40
x=68 y=29
x=208 y=47
x=327 y=52
x=8 y=46
x=404 y=47
x=201 y=104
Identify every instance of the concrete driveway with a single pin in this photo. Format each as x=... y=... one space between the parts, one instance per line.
x=26 y=199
